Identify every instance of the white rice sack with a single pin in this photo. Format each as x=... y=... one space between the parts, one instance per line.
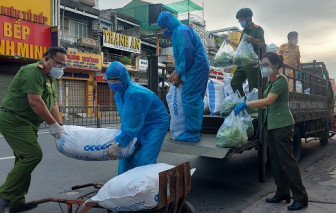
x=177 y=117
x=227 y=85
x=135 y=190
x=90 y=144
x=215 y=93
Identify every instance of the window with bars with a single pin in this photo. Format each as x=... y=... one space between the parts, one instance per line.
x=77 y=29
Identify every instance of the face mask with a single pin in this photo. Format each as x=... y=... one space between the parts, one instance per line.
x=167 y=32
x=55 y=72
x=116 y=86
x=295 y=41
x=243 y=24
x=266 y=72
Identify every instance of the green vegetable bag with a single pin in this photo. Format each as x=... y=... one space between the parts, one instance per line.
x=245 y=55
x=224 y=56
x=230 y=102
x=232 y=133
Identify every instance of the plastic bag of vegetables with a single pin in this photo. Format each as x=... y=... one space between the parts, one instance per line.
x=230 y=102
x=245 y=55
x=224 y=56
x=232 y=133
x=252 y=96
x=247 y=121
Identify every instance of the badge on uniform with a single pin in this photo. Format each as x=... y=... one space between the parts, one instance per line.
x=48 y=84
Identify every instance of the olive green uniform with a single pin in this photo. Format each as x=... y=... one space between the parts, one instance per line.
x=279 y=121
x=19 y=125
x=249 y=72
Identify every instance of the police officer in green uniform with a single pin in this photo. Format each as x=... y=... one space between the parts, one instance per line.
x=279 y=122
x=31 y=99
x=254 y=34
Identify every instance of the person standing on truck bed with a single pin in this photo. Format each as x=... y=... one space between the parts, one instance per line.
x=254 y=34
x=279 y=122
x=31 y=99
x=143 y=115
x=193 y=68
x=291 y=54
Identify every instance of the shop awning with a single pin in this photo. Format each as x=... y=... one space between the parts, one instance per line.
x=183 y=6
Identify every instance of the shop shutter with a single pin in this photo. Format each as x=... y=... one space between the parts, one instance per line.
x=5 y=80
x=105 y=96
x=73 y=94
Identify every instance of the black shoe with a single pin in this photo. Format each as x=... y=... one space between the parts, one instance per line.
x=3 y=205
x=278 y=199
x=24 y=207
x=296 y=205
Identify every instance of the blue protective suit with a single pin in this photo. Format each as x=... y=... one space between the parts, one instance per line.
x=192 y=64
x=143 y=115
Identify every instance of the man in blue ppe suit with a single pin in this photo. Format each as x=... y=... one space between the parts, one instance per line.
x=143 y=115
x=193 y=67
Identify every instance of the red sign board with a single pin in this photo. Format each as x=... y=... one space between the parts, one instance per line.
x=23 y=38
x=100 y=78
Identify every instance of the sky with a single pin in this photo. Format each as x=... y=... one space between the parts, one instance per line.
x=314 y=20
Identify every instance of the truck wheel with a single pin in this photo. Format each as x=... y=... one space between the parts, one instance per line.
x=187 y=208
x=297 y=144
x=325 y=136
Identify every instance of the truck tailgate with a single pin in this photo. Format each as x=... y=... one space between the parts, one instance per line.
x=206 y=147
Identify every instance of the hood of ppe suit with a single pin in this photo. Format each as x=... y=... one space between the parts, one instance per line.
x=166 y=19
x=118 y=70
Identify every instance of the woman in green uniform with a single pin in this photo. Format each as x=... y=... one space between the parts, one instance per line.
x=280 y=125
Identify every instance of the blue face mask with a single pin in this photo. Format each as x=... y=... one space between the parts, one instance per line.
x=243 y=24
x=116 y=86
x=167 y=32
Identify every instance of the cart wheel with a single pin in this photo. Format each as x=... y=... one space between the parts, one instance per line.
x=187 y=208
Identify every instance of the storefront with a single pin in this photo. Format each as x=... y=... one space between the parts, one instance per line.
x=77 y=84
x=25 y=36
x=116 y=47
x=105 y=96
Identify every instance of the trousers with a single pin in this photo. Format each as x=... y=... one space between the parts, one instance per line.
x=285 y=169
x=21 y=136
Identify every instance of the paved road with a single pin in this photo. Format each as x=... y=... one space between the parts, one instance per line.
x=217 y=185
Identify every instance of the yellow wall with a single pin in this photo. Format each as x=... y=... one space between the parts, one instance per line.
x=235 y=37
x=35 y=6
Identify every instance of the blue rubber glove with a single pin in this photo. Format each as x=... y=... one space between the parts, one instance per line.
x=240 y=107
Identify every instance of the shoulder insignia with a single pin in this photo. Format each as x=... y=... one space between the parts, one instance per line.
x=40 y=66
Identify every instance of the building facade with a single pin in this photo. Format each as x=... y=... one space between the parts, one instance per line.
x=24 y=37
x=78 y=32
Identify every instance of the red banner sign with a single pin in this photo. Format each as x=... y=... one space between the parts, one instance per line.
x=22 y=38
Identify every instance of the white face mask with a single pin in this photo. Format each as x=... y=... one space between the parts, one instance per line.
x=266 y=71
x=295 y=41
x=55 y=72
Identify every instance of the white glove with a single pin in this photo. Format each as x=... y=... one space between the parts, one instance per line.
x=55 y=130
x=113 y=152
x=246 y=37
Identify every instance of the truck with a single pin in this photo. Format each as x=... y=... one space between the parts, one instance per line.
x=311 y=104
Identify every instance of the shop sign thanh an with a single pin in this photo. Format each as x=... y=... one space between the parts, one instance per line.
x=121 y=42
x=83 y=61
x=23 y=38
